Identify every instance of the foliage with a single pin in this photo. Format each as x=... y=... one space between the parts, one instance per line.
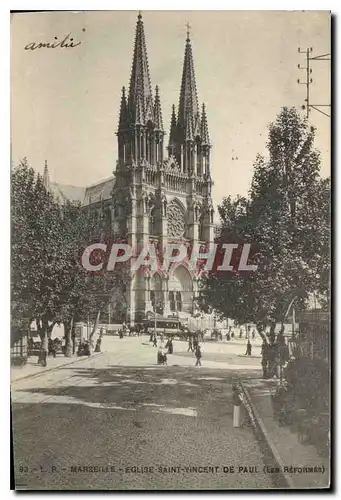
x=286 y=218
x=48 y=282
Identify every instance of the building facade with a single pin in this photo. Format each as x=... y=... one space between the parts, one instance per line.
x=158 y=194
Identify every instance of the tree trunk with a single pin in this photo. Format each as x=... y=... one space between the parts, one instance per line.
x=73 y=337
x=260 y=329
x=272 y=333
x=43 y=328
x=68 y=327
x=94 y=328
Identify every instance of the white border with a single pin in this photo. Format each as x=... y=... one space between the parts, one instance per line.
x=4 y=170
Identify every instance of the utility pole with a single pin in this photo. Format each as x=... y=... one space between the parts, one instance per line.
x=308 y=81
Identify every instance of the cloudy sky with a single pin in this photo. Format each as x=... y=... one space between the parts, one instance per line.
x=65 y=102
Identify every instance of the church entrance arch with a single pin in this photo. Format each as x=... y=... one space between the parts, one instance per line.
x=180 y=290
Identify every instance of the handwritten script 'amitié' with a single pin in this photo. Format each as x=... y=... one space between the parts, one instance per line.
x=66 y=43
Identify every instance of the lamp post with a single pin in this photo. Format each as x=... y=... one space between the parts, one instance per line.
x=156 y=305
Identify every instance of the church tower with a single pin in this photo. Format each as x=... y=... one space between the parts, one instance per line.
x=140 y=132
x=157 y=199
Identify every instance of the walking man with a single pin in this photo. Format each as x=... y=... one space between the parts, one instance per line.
x=198 y=355
x=190 y=345
x=154 y=341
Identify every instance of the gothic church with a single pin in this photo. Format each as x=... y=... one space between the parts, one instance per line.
x=153 y=196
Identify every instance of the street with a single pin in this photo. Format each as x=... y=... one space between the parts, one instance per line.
x=119 y=421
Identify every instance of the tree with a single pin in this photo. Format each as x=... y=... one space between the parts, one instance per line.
x=35 y=245
x=286 y=218
x=48 y=282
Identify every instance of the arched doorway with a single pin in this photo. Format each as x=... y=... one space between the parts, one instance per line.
x=180 y=290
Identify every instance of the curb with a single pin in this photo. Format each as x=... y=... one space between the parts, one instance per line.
x=33 y=375
x=262 y=432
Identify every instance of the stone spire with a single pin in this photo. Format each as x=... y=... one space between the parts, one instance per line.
x=46 y=177
x=157 y=111
x=205 y=138
x=139 y=118
x=189 y=130
x=140 y=134
x=173 y=134
x=140 y=79
x=188 y=102
x=123 y=120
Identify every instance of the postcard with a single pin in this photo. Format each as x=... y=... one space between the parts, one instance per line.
x=170 y=250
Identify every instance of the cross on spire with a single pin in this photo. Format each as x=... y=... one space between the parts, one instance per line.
x=188 y=29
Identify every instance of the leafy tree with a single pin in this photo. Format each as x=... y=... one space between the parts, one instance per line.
x=286 y=218
x=48 y=282
x=35 y=262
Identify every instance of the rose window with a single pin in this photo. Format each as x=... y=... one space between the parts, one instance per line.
x=175 y=221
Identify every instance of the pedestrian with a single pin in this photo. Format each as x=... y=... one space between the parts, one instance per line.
x=190 y=345
x=240 y=333
x=170 y=346
x=198 y=355
x=98 y=345
x=248 y=348
x=253 y=334
x=50 y=343
x=154 y=340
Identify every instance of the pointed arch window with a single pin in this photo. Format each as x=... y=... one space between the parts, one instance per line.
x=152 y=222
x=152 y=299
x=201 y=227
x=171 y=301
x=178 y=301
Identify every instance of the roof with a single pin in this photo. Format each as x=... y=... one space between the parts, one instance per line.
x=65 y=192
x=100 y=191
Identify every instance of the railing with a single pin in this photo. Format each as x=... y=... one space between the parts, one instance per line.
x=175 y=182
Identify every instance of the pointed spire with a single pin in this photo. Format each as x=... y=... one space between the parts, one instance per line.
x=205 y=138
x=139 y=110
x=140 y=79
x=157 y=111
x=46 y=177
x=123 y=120
x=188 y=103
x=196 y=126
x=189 y=129
x=173 y=134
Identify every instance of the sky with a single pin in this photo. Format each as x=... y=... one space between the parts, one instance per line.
x=65 y=102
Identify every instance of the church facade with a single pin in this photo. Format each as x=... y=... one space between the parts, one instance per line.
x=158 y=193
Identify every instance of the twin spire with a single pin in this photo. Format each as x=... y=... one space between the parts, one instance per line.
x=190 y=124
x=141 y=108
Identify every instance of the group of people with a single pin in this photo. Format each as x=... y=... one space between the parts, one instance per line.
x=169 y=343
x=194 y=346
x=248 y=333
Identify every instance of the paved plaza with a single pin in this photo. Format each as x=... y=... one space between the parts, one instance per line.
x=120 y=421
